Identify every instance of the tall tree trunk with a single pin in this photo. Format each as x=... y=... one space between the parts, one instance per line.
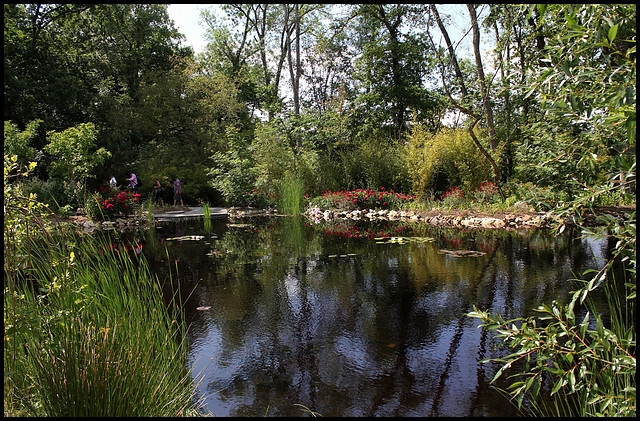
x=295 y=75
x=468 y=111
x=452 y=53
x=486 y=102
x=504 y=46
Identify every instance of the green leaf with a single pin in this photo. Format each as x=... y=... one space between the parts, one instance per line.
x=613 y=31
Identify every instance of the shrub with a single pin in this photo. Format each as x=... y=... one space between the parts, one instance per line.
x=55 y=192
x=257 y=199
x=448 y=158
x=486 y=193
x=453 y=197
x=108 y=203
x=234 y=173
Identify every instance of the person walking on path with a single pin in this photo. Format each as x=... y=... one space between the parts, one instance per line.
x=157 y=193
x=112 y=182
x=133 y=182
x=177 y=192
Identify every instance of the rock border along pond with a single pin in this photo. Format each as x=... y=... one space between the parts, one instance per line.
x=463 y=220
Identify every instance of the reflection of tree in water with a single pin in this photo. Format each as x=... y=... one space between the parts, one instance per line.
x=382 y=332
x=467 y=306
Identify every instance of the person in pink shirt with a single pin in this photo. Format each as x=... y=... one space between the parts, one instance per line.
x=133 y=182
x=177 y=192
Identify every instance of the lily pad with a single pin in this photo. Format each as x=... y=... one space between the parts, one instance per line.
x=239 y=225
x=462 y=253
x=203 y=308
x=403 y=240
x=186 y=237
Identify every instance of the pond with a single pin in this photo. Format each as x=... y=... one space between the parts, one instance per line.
x=352 y=318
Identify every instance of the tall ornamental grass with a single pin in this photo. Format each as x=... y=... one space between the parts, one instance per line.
x=291 y=200
x=87 y=331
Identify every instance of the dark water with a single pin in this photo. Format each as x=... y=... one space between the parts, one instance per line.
x=326 y=318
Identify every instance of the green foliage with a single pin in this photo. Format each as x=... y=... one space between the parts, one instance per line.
x=372 y=163
x=448 y=158
x=486 y=193
x=592 y=367
x=87 y=330
x=542 y=198
x=561 y=158
x=112 y=203
x=390 y=69
x=17 y=142
x=453 y=198
x=55 y=192
x=234 y=172
x=590 y=64
x=18 y=207
x=362 y=199
x=75 y=157
x=291 y=196
x=273 y=154
x=18 y=210
x=588 y=83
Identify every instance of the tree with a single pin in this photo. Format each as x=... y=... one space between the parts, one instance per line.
x=17 y=142
x=484 y=89
x=585 y=78
x=392 y=69
x=75 y=155
x=462 y=103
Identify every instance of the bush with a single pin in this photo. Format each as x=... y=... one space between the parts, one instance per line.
x=108 y=203
x=453 y=197
x=234 y=173
x=55 y=192
x=444 y=160
x=487 y=193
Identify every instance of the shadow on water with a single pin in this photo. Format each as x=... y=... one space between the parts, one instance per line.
x=351 y=318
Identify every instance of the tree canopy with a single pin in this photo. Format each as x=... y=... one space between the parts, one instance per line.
x=344 y=84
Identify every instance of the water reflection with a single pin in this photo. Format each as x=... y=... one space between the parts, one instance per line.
x=329 y=318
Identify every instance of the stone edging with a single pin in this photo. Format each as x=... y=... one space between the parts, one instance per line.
x=509 y=221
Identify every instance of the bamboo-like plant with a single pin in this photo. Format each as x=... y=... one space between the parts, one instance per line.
x=592 y=367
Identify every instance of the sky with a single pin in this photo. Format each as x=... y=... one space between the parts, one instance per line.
x=186 y=18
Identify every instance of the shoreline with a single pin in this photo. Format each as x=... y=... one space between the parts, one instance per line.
x=514 y=219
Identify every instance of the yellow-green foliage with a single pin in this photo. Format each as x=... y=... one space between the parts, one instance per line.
x=450 y=151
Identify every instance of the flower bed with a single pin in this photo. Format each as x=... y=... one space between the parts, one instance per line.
x=111 y=203
x=360 y=199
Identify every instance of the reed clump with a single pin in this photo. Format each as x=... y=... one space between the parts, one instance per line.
x=87 y=330
x=291 y=200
